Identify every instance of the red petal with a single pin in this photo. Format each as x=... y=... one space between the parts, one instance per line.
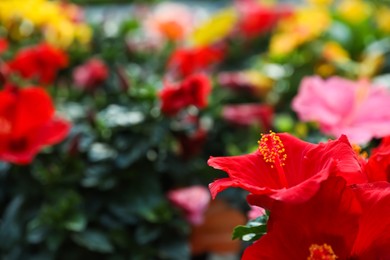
x=53 y=132
x=249 y=172
x=33 y=109
x=373 y=239
x=378 y=165
x=330 y=217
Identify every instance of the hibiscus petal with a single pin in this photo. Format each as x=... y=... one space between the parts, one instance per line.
x=373 y=239
x=248 y=172
x=326 y=102
x=330 y=217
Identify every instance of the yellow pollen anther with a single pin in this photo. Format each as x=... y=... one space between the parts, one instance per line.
x=324 y=252
x=358 y=150
x=272 y=149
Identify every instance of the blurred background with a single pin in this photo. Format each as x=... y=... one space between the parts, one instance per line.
x=110 y=110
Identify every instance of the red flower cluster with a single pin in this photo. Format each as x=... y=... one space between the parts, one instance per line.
x=40 y=63
x=256 y=18
x=194 y=90
x=27 y=123
x=322 y=205
x=185 y=62
x=90 y=74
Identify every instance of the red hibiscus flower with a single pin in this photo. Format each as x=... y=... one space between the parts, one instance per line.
x=41 y=63
x=256 y=18
x=90 y=74
x=185 y=62
x=377 y=167
x=27 y=123
x=194 y=90
x=336 y=223
x=286 y=168
x=249 y=114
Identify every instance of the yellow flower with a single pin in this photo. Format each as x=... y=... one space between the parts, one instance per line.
x=83 y=33
x=383 y=19
x=354 y=11
x=283 y=44
x=311 y=22
x=320 y=2
x=216 y=28
x=60 y=34
x=53 y=19
x=303 y=26
x=334 y=52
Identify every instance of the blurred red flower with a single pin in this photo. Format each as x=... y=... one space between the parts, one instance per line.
x=27 y=123
x=41 y=62
x=194 y=90
x=256 y=18
x=338 y=222
x=286 y=168
x=185 y=62
x=3 y=45
x=249 y=114
x=90 y=74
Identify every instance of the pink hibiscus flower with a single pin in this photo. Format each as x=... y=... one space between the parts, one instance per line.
x=193 y=201
x=357 y=109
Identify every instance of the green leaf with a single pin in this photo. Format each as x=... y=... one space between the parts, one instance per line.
x=36 y=233
x=253 y=230
x=247 y=233
x=76 y=223
x=145 y=234
x=10 y=229
x=94 y=240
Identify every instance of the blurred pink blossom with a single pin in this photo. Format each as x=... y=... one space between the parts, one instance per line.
x=193 y=201
x=169 y=21
x=357 y=109
x=249 y=114
x=255 y=212
x=90 y=74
